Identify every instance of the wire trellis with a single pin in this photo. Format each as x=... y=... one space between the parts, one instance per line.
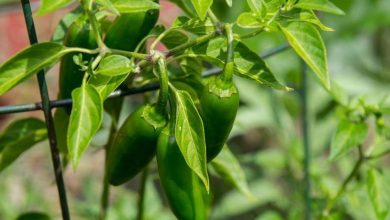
x=46 y=105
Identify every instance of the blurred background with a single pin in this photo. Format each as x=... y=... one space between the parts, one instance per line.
x=267 y=136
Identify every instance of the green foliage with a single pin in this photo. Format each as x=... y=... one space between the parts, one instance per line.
x=85 y=120
x=18 y=137
x=348 y=135
x=319 y=5
x=228 y=168
x=265 y=139
x=201 y=7
x=29 y=62
x=114 y=65
x=190 y=135
x=52 y=5
x=378 y=193
x=126 y=6
x=307 y=42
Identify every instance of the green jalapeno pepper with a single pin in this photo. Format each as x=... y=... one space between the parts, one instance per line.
x=135 y=144
x=186 y=194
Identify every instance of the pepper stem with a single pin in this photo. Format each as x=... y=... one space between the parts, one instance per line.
x=164 y=89
x=228 y=70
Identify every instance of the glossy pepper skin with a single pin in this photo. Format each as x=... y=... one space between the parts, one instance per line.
x=79 y=34
x=129 y=29
x=135 y=144
x=219 y=103
x=184 y=190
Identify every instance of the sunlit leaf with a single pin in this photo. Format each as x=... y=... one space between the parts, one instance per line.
x=114 y=65
x=190 y=136
x=85 y=120
x=108 y=4
x=48 y=6
x=258 y=7
x=229 y=3
x=201 y=7
x=320 y=5
x=29 y=62
x=105 y=85
x=249 y=20
x=311 y=17
x=308 y=44
x=132 y=6
x=247 y=63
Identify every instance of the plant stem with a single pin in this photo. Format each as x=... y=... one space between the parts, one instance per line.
x=159 y=38
x=83 y=50
x=345 y=183
x=142 y=192
x=384 y=153
x=104 y=201
x=252 y=34
x=96 y=30
x=227 y=75
x=180 y=48
x=306 y=142
x=164 y=89
x=214 y=19
x=197 y=41
x=130 y=54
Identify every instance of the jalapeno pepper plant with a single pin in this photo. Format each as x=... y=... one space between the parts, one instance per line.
x=107 y=45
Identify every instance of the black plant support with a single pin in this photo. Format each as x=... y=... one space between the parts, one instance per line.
x=48 y=116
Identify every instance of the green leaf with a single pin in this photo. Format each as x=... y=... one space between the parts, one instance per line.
x=201 y=7
x=190 y=136
x=258 y=7
x=108 y=5
x=273 y=6
x=105 y=85
x=175 y=38
x=348 y=135
x=320 y=5
x=229 y=3
x=247 y=63
x=186 y=6
x=228 y=167
x=311 y=17
x=114 y=65
x=249 y=20
x=48 y=6
x=308 y=44
x=33 y=216
x=85 y=120
x=18 y=137
x=378 y=193
x=28 y=62
x=195 y=25
x=64 y=24
x=133 y=6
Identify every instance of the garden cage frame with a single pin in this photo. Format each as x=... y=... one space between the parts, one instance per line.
x=46 y=105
